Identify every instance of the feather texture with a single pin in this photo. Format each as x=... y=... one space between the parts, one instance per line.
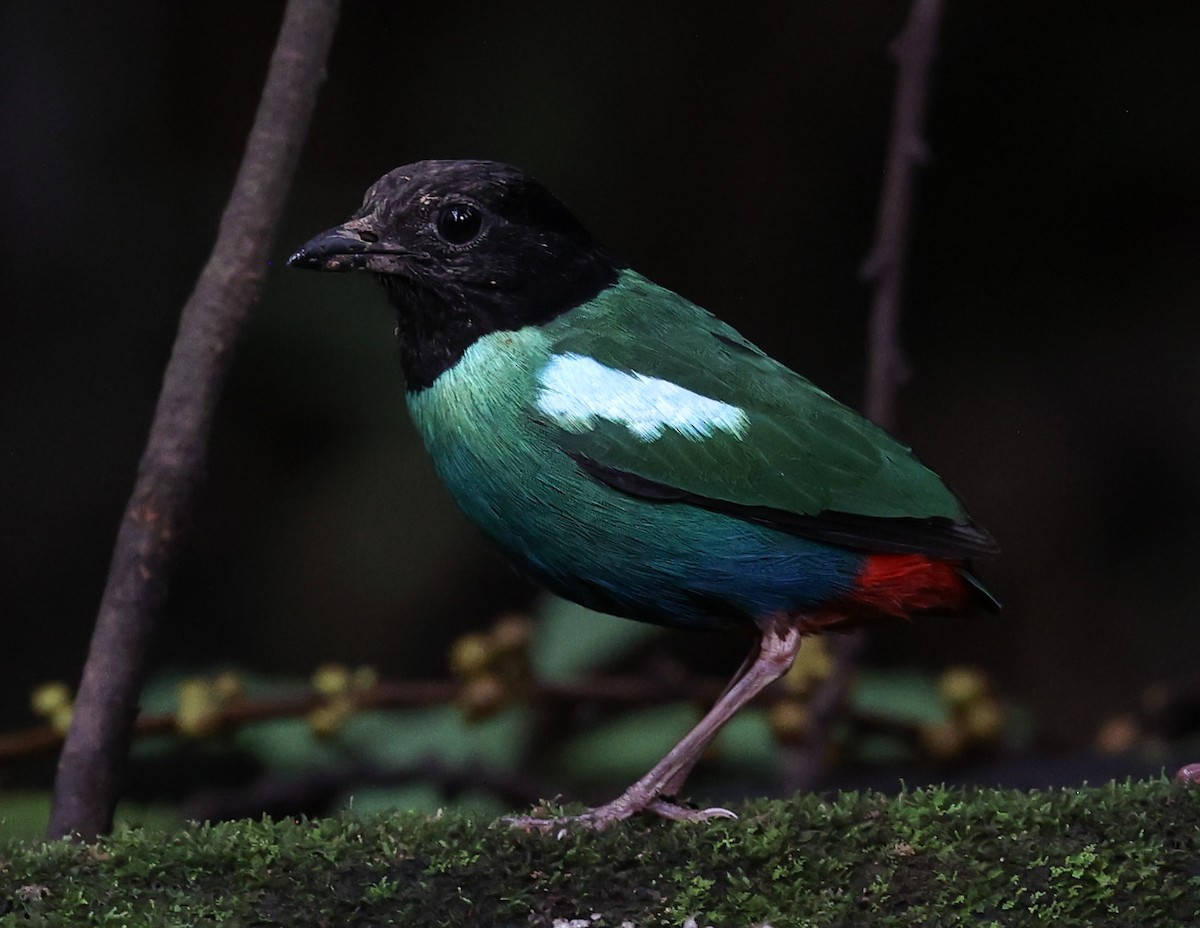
x=799 y=460
x=664 y=493
x=670 y=564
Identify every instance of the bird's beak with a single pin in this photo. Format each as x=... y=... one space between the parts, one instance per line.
x=352 y=246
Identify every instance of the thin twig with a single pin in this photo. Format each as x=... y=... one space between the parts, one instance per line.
x=407 y=694
x=94 y=754
x=887 y=368
x=620 y=692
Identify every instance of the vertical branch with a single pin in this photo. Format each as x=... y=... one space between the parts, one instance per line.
x=887 y=369
x=94 y=754
x=885 y=265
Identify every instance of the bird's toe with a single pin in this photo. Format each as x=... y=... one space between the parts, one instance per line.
x=678 y=813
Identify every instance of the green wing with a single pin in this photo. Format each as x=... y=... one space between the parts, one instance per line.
x=788 y=456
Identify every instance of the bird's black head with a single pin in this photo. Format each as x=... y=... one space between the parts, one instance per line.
x=463 y=248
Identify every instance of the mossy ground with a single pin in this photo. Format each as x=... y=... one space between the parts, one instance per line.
x=1122 y=854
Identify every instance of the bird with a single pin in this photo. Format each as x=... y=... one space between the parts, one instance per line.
x=629 y=451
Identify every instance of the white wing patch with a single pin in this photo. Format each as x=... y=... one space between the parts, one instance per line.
x=576 y=390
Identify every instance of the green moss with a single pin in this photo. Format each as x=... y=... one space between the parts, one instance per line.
x=1114 y=855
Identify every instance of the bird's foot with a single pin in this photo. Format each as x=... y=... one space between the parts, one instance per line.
x=618 y=810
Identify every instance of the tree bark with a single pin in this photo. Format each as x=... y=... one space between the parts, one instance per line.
x=171 y=469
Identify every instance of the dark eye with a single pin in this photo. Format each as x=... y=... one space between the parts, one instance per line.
x=459 y=223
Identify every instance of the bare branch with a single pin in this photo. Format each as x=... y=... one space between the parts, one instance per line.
x=887 y=368
x=402 y=694
x=885 y=265
x=93 y=756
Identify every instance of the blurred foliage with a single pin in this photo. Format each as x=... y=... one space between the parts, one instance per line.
x=572 y=640
x=909 y=697
x=54 y=702
x=343 y=755
x=617 y=752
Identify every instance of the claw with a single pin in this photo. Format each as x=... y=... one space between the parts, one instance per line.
x=680 y=813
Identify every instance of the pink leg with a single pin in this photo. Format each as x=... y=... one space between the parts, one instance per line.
x=675 y=784
x=777 y=650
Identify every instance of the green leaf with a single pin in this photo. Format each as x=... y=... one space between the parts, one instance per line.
x=288 y=746
x=572 y=640
x=747 y=740
x=440 y=733
x=903 y=696
x=629 y=745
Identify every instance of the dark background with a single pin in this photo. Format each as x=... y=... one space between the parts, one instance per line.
x=1051 y=316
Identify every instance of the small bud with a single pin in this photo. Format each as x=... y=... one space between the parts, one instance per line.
x=471 y=655
x=327 y=719
x=943 y=740
x=198 y=715
x=790 y=721
x=228 y=685
x=1118 y=734
x=331 y=679
x=813 y=664
x=962 y=685
x=984 y=721
x=483 y=696
x=511 y=634
x=48 y=698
